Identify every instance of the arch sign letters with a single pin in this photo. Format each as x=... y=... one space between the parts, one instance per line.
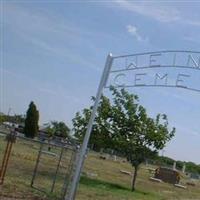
x=173 y=69
x=134 y=70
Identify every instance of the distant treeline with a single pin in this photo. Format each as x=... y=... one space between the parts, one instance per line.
x=160 y=160
x=18 y=119
x=190 y=166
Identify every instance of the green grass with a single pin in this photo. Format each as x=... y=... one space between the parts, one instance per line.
x=107 y=182
x=110 y=184
x=20 y=170
x=104 y=190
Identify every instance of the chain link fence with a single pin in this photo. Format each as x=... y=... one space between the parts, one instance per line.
x=45 y=165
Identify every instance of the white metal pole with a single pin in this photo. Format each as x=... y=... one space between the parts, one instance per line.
x=76 y=177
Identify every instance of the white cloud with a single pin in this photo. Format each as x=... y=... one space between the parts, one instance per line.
x=159 y=12
x=133 y=30
x=50 y=34
x=155 y=11
x=192 y=22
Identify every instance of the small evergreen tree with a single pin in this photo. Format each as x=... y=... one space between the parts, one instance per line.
x=31 y=121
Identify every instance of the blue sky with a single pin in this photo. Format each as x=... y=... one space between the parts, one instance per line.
x=53 y=52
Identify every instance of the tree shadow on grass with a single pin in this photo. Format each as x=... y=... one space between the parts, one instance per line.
x=107 y=185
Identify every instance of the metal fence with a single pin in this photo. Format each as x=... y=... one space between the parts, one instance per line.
x=53 y=169
x=45 y=165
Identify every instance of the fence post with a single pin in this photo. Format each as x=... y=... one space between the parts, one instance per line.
x=76 y=177
x=58 y=166
x=36 y=165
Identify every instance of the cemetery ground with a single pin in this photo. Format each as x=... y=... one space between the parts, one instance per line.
x=101 y=179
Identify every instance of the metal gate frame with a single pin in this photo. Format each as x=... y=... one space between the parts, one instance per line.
x=68 y=173
x=102 y=85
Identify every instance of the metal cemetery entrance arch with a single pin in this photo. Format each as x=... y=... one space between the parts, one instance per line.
x=122 y=71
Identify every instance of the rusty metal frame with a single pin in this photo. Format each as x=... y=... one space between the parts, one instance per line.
x=11 y=138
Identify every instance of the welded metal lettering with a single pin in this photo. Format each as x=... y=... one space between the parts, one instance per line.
x=157 y=76
x=152 y=59
x=139 y=80
x=119 y=79
x=180 y=80
x=193 y=61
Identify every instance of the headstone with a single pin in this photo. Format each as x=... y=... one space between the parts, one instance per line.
x=115 y=158
x=125 y=172
x=107 y=156
x=174 y=165
x=183 y=169
x=167 y=175
x=146 y=162
x=180 y=186
x=155 y=179
x=101 y=151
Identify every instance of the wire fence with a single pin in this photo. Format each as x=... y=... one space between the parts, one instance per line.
x=45 y=165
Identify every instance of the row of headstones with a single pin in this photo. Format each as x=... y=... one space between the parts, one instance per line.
x=174 y=166
x=191 y=175
x=183 y=168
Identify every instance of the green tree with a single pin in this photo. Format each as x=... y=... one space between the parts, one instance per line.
x=2 y=118
x=100 y=132
x=135 y=134
x=19 y=119
x=31 y=121
x=59 y=129
x=123 y=125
